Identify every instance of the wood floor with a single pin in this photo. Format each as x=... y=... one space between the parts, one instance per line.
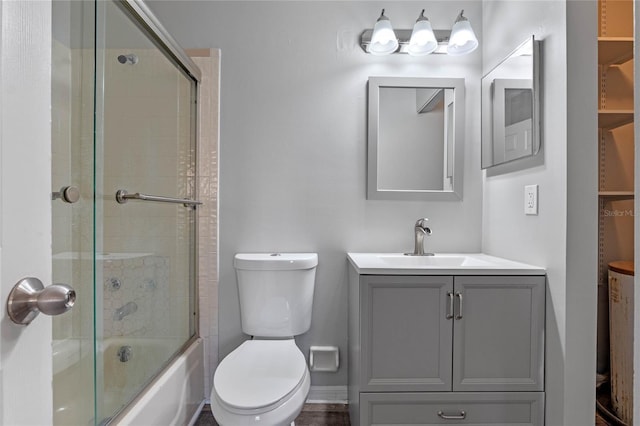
x=311 y=415
x=600 y=421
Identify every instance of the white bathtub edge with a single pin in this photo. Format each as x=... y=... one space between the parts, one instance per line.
x=174 y=398
x=194 y=419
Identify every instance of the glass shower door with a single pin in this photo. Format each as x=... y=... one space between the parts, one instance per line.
x=72 y=96
x=123 y=121
x=145 y=262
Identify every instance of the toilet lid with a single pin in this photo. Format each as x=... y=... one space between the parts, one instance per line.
x=259 y=373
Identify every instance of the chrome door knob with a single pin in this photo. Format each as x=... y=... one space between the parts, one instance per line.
x=29 y=297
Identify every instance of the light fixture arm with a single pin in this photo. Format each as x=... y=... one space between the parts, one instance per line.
x=382 y=17
x=461 y=17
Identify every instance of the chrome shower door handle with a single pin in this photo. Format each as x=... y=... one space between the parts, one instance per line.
x=29 y=297
x=122 y=196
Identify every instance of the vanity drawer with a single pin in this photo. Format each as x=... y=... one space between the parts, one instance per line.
x=478 y=409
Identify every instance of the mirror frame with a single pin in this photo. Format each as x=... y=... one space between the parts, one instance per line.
x=488 y=106
x=458 y=86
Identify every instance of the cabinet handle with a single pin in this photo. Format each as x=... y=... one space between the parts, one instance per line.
x=461 y=416
x=459 y=296
x=450 y=313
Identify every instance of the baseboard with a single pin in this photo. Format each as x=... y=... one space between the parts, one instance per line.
x=327 y=395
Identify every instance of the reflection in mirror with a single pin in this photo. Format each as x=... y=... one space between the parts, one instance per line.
x=414 y=124
x=412 y=152
x=510 y=107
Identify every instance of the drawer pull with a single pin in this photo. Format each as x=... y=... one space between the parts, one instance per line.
x=450 y=314
x=461 y=416
x=459 y=296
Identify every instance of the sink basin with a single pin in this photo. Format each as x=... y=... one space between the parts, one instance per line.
x=439 y=264
x=438 y=260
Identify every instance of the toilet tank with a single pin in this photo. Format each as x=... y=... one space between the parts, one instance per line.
x=276 y=292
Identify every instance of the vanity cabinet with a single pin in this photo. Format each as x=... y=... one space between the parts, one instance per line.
x=468 y=347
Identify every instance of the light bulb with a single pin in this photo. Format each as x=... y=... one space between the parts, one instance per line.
x=462 y=40
x=422 y=41
x=383 y=39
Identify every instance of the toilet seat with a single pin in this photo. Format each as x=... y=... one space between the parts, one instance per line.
x=259 y=375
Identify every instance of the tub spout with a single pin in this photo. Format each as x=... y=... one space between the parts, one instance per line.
x=123 y=311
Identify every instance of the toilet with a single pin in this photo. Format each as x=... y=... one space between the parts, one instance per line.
x=265 y=380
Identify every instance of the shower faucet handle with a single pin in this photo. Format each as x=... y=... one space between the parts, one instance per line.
x=29 y=297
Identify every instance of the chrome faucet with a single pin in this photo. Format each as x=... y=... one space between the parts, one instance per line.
x=123 y=311
x=421 y=229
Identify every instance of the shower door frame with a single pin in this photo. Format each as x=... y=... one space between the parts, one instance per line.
x=143 y=15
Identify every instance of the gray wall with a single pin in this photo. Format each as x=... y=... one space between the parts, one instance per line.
x=563 y=237
x=293 y=142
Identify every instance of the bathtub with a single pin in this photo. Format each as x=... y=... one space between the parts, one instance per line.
x=174 y=397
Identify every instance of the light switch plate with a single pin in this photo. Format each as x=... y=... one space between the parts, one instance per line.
x=531 y=199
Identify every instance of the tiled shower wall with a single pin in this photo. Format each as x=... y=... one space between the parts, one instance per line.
x=208 y=60
x=146 y=149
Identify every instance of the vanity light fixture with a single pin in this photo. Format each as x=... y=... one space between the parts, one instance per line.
x=422 y=40
x=463 y=40
x=383 y=39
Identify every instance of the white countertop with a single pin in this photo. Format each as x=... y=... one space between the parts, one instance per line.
x=439 y=264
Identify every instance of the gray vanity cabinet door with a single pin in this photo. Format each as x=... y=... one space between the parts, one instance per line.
x=499 y=339
x=405 y=333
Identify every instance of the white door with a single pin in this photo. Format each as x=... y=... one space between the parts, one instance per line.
x=25 y=205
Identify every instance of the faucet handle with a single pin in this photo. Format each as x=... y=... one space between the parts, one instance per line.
x=422 y=223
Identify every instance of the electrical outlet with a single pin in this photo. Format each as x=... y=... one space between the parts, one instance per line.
x=531 y=199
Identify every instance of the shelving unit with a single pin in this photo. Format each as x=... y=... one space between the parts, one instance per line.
x=616 y=153
x=614 y=50
x=612 y=119
x=616 y=194
x=615 y=122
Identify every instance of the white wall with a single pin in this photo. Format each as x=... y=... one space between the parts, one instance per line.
x=293 y=142
x=563 y=237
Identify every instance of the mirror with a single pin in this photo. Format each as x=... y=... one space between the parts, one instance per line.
x=511 y=107
x=415 y=138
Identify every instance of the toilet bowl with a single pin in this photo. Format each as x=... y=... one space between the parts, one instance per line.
x=265 y=380
x=262 y=382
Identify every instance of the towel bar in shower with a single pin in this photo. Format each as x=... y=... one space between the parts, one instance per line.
x=122 y=196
